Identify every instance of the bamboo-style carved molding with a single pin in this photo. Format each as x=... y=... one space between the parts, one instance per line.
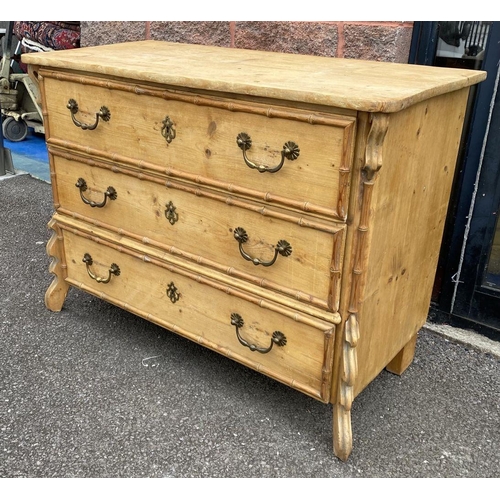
x=264 y=210
x=148 y=167
x=335 y=272
x=304 y=300
x=275 y=111
x=345 y=173
x=199 y=278
x=373 y=163
x=327 y=371
x=46 y=126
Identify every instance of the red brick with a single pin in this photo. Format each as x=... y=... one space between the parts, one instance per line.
x=378 y=43
x=107 y=32
x=319 y=38
x=202 y=33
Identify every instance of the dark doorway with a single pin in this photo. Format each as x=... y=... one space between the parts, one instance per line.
x=467 y=287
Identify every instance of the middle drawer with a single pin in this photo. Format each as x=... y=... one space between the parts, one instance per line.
x=277 y=250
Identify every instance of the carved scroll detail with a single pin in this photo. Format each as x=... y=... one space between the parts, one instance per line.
x=373 y=158
x=349 y=362
x=349 y=371
x=58 y=289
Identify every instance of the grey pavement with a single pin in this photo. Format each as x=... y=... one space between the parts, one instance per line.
x=94 y=391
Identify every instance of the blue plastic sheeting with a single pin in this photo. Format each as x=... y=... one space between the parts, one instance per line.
x=33 y=147
x=30 y=155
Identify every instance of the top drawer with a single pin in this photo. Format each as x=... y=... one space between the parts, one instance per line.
x=195 y=137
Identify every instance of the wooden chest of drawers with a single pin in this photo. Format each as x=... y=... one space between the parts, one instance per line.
x=285 y=211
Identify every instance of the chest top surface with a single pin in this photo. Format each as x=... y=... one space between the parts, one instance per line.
x=347 y=83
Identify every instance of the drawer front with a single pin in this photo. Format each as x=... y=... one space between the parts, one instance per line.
x=209 y=314
x=200 y=144
x=195 y=224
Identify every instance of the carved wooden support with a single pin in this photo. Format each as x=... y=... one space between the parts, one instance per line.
x=58 y=289
x=373 y=158
x=403 y=358
x=342 y=430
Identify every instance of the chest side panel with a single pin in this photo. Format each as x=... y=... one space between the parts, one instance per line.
x=410 y=199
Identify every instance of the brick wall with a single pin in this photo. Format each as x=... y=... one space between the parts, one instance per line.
x=381 y=41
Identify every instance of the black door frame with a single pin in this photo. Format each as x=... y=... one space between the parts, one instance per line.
x=460 y=300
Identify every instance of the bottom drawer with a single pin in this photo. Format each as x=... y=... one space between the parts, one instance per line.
x=291 y=347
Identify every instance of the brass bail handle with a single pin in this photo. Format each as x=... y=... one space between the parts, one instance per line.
x=277 y=338
x=290 y=151
x=282 y=248
x=110 y=193
x=114 y=270
x=103 y=114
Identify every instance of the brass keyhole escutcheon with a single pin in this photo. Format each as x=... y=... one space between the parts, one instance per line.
x=171 y=213
x=168 y=130
x=172 y=293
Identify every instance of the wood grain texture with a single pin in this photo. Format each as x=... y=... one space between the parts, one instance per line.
x=205 y=143
x=347 y=83
x=403 y=358
x=347 y=374
x=300 y=363
x=363 y=205
x=206 y=224
x=58 y=289
x=408 y=211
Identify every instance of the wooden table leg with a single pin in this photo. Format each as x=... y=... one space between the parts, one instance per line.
x=403 y=358
x=342 y=432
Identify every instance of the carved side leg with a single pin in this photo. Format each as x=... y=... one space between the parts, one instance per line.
x=58 y=289
x=403 y=358
x=342 y=430
x=348 y=370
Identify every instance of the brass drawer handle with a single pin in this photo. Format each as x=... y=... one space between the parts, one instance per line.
x=114 y=270
x=278 y=337
x=103 y=114
x=110 y=193
x=282 y=247
x=290 y=151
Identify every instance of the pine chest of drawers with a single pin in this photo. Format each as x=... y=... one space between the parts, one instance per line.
x=283 y=210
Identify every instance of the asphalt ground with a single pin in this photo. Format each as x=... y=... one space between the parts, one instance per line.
x=95 y=392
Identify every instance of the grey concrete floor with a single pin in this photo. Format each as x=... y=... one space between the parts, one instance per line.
x=94 y=391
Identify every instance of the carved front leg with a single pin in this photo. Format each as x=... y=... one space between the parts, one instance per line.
x=342 y=430
x=58 y=289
